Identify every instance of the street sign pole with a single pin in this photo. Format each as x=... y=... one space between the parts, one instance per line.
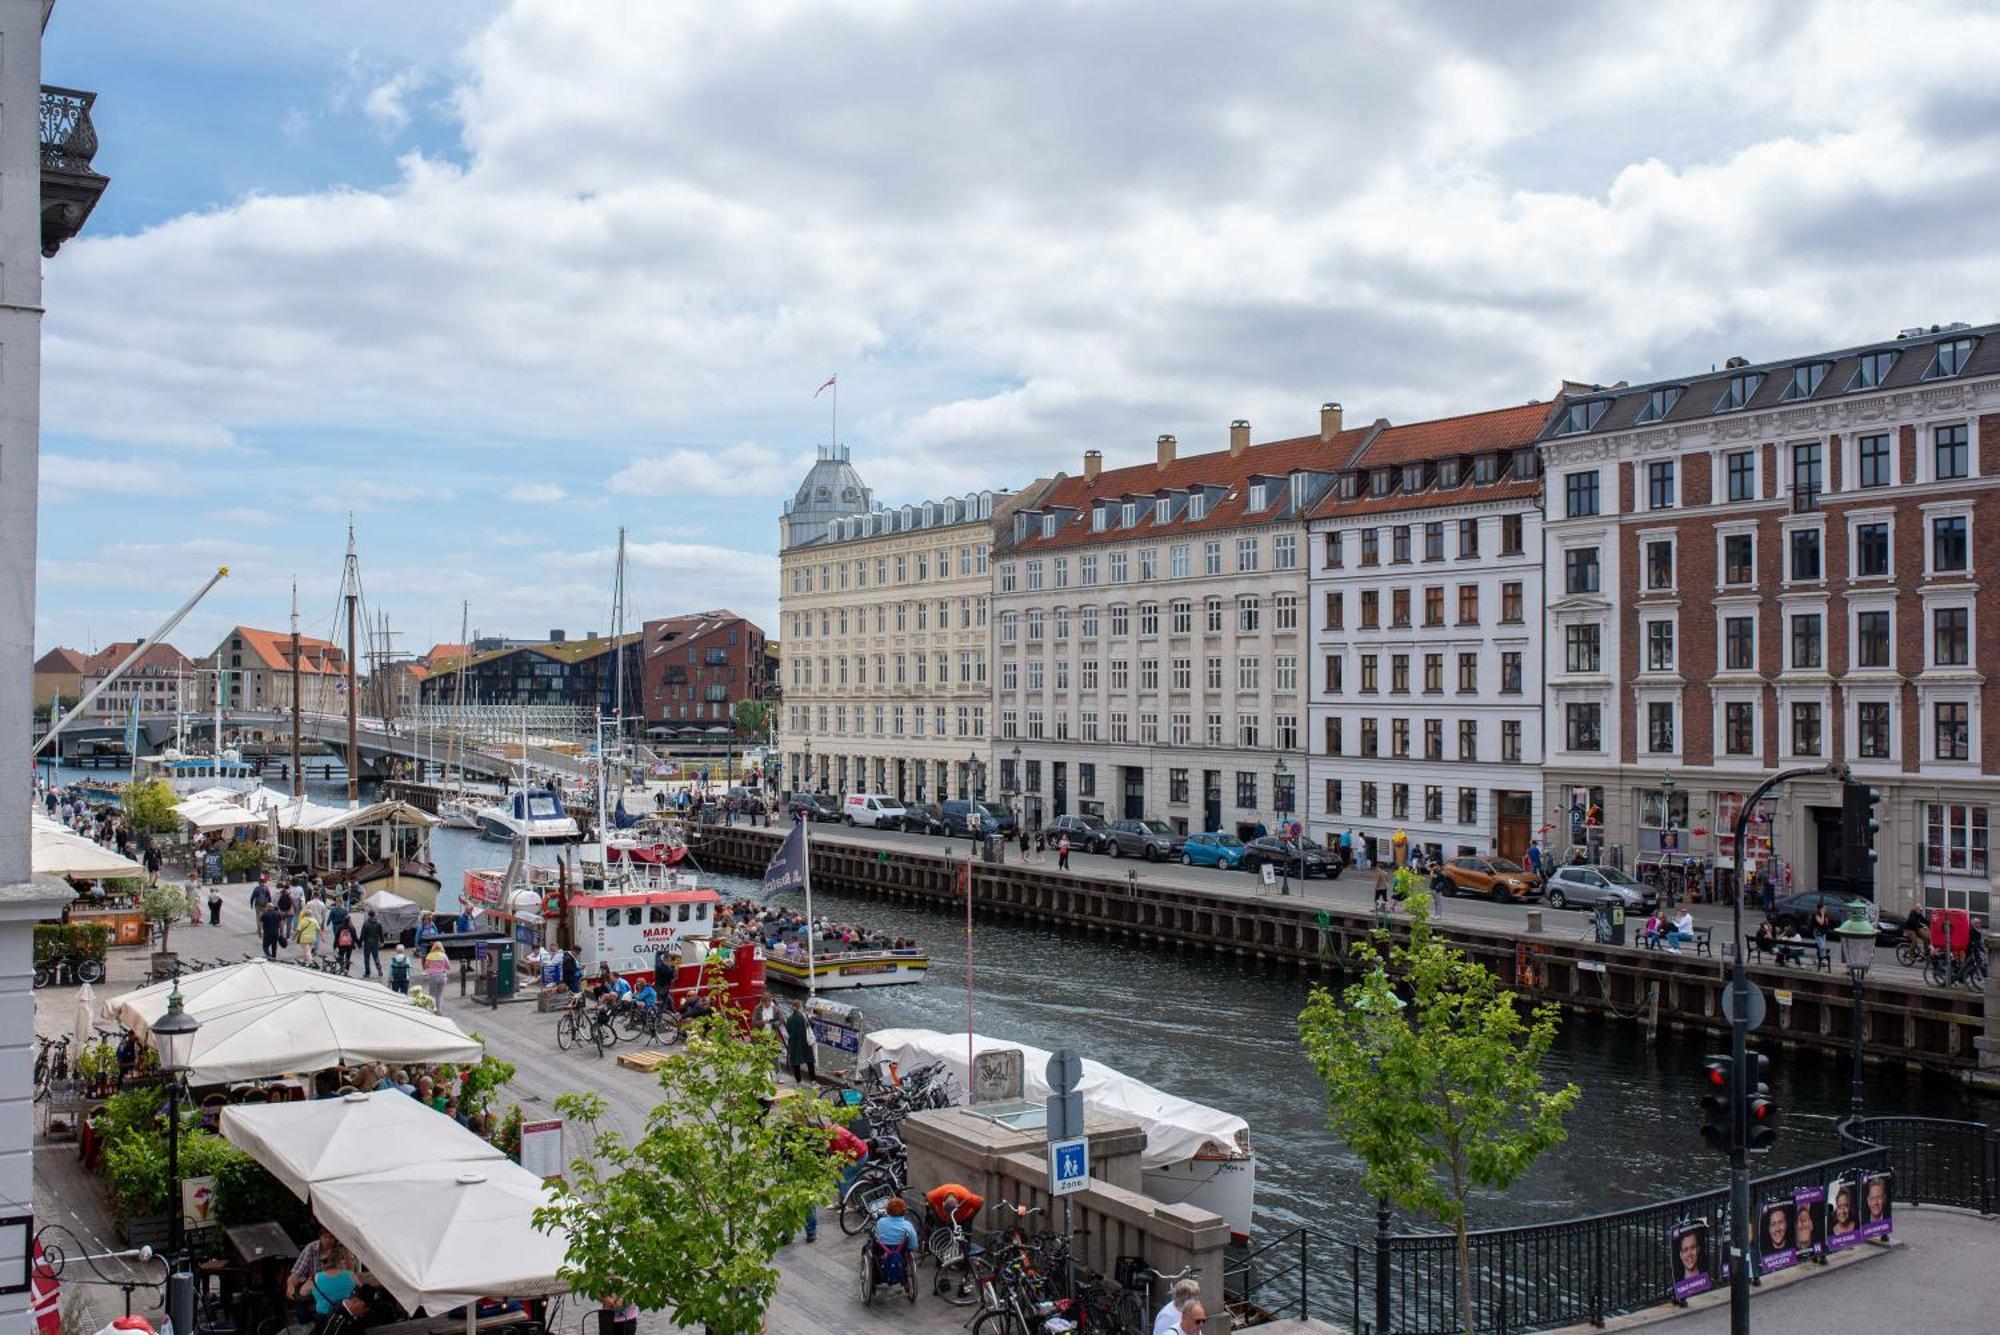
x=1064 y=1071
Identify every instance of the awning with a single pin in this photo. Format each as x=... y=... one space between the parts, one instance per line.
x=317 y=1031
x=307 y=1144
x=212 y=990
x=55 y=851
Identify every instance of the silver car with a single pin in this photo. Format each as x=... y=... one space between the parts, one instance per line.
x=1588 y=885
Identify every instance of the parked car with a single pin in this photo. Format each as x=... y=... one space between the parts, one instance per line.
x=1212 y=850
x=748 y=800
x=958 y=815
x=1087 y=834
x=1585 y=886
x=815 y=806
x=1153 y=840
x=1497 y=878
x=923 y=818
x=1796 y=911
x=871 y=809
x=1289 y=856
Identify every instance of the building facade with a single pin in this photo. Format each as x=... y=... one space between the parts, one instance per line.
x=698 y=668
x=581 y=674
x=1425 y=598
x=161 y=681
x=1770 y=566
x=885 y=617
x=59 y=677
x=1150 y=638
x=257 y=668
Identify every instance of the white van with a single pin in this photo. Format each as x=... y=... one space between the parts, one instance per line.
x=871 y=809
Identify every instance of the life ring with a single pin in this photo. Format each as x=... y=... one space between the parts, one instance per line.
x=551 y=904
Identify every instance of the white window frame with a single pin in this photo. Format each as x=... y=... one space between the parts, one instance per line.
x=1850 y=461
x=1724 y=532
x=1646 y=622
x=1951 y=509
x=1855 y=519
x=1874 y=600
x=1936 y=600
x=1927 y=448
x=1853 y=697
x=1724 y=610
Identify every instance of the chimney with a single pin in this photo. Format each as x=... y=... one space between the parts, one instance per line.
x=1239 y=436
x=555 y=637
x=1093 y=464
x=1329 y=420
x=1165 y=445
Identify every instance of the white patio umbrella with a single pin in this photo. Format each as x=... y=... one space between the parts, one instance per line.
x=55 y=851
x=305 y=1145
x=315 y=1031
x=85 y=1031
x=441 y=1235
x=211 y=990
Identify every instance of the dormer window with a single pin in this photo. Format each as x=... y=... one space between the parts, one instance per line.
x=1806 y=380
x=1872 y=371
x=1350 y=486
x=1163 y=509
x=1951 y=358
x=1020 y=527
x=1659 y=403
x=1131 y=515
x=1739 y=391
x=1527 y=463
x=1098 y=518
x=1301 y=484
x=1197 y=504
x=1256 y=497
x=1048 y=526
x=1448 y=473
x=1582 y=416
x=1380 y=481
x=1413 y=477
x=1486 y=468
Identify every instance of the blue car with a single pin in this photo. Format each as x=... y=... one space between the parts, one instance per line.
x=1212 y=850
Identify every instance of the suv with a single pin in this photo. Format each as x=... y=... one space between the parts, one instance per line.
x=815 y=806
x=958 y=815
x=1496 y=878
x=1152 y=840
x=1087 y=834
x=1290 y=856
x=871 y=809
x=922 y=818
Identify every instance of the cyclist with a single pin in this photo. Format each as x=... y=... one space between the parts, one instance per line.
x=646 y=996
x=1917 y=928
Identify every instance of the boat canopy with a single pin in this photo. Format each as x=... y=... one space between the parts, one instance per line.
x=223 y=808
x=1176 y=1129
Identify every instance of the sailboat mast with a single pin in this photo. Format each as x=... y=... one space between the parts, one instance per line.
x=351 y=585
x=618 y=670
x=298 y=771
x=458 y=672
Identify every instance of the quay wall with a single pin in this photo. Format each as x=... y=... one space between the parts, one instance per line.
x=1911 y=1024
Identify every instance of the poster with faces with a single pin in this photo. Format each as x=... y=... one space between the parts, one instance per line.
x=1843 y=1214
x=1687 y=1245
x=1808 y=1223
x=1877 y=1206
x=1775 y=1249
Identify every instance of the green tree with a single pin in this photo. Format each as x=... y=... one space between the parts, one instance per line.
x=149 y=807
x=163 y=906
x=753 y=719
x=686 y=1219
x=1443 y=1094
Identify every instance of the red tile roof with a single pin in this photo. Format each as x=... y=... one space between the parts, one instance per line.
x=273 y=650
x=438 y=652
x=60 y=659
x=158 y=658
x=1497 y=430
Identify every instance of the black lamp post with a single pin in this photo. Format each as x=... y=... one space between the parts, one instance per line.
x=1857 y=952
x=1278 y=805
x=173 y=1035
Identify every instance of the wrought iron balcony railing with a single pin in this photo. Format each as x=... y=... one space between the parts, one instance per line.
x=70 y=185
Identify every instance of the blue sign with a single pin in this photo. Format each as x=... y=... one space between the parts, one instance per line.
x=839 y=1037
x=1069 y=1166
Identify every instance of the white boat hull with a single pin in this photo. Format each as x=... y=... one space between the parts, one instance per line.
x=833 y=973
x=506 y=829
x=1223 y=1186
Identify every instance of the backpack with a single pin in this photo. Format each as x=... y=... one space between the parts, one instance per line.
x=894 y=1262
x=346 y=938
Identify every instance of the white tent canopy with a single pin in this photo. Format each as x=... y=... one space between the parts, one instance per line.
x=440 y=1235
x=212 y=990
x=55 y=851
x=316 y=1031
x=307 y=1144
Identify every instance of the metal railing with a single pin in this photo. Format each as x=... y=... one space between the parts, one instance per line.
x=69 y=140
x=1936 y=1162
x=1273 y=1279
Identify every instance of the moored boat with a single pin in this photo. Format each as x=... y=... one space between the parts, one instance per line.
x=834 y=969
x=535 y=814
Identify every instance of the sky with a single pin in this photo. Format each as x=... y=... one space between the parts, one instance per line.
x=498 y=278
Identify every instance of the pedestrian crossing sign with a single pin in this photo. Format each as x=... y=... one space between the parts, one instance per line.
x=1069 y=1166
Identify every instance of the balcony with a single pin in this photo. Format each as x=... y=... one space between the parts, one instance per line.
x=70 y=188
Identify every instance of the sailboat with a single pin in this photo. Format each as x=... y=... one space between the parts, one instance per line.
x=456 y=807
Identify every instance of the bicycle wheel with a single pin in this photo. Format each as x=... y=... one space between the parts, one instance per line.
x=1131 y=1314
x=1906 y=952
x=957 y=1282
x=858 y=1203
x=566 y=1037
x=90 y=971
x=1937 y=971
x=1000 y=1321
x=632 y=1022
x=610 y=1032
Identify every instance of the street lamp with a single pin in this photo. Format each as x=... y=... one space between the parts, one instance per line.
x=173 y=1036
x=1382 y=1276
x=1278 y=803
x=1857 y=952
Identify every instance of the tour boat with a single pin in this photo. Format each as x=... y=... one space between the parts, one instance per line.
x=531 y=813
x=188 y=775
x=1194 y=1154
x=834 y=967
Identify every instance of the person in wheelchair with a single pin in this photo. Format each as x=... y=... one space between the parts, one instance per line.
x=894 y=1232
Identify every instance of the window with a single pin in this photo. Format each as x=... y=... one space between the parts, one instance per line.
x=1739 y=644
x=1510 y=602
x=1468 y=604
x=1399 y=737
x=1183 y=616
x=1333 y=797
x=1399 y=674
x=1871 y=639
x=1212 y=673
x=1149 y=674
x=1805 y=727
x=1659 y=564
x=1740 y=390
x=1434 y=605
x=1660 y=485
x=1739 y=728
x=1659 y=403
x=1371 y=609
x=1087 y=570
x=1284 y=551
x=1468 y=739
x=1433 y=803
x=1212 y=615
x=1468 y=674
x=1246 y=731
x=1334 y=673
x=1399 y=607
x=1177 y=561
x=1120 y=567
x=1246 y=554
x=1870 y=373
x=1951 y=358
x=1510 y=741
x=1660 y=727
x=1805 y=554
x=1285 y=736
x=1061 y=572
x=1336 y=610
x=1086 y=778
x=1433 y=674
x=1742 y=469
x=1121 y=674
x=1953 y=722
x=1368 y=799
x=1875 y=460
x=1034 y=576
x=1370 y=737
x=1584 y=726
x=1805 y=380
x=1371 y=547
x=1659 y=646
x=1581 y=648
x=1871 y=549
x=1212 y=730
x=1149 y=563
x=1248 y=615
x=1580 y=570
x=1739 y=554
x=1211 y=556
x=1333 y=561
x=1871 y=726
x=1948 y=543
x=1954 y=838
x=1512 y=535
x=1434 y=541
x=1950 y=452
x=1468 y=806
x=1007 y=578
x=1582 y=416
x=1399 y=801
x=1121 y=619
x=1950 y=636
x=1400 y=544
x=1149 y=618
x=1286 y=607
x=1247 y=671
x=1805 y=477
x=1805 y=642
x=1510 y=672
x=1183 y=674
x=1580 y=493
x=1197 y=504
x=1468 y=539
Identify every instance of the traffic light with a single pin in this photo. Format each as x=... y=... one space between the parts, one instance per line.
x=1858 y=828
x=1760 y=1114
x=1716 y=1114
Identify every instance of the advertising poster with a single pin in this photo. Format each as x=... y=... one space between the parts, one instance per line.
x=1843 y=1217
x=542 y=1148
x=1877 y=1206
x=1688 y=1244
x=197 y=1202
x=1775 y=1248
x=1808 y=1223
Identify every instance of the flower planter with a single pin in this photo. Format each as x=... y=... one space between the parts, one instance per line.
x=146 y=1230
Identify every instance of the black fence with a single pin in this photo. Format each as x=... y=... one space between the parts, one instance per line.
x=1936 y=1162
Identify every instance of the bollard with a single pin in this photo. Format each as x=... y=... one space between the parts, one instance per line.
x=1534 y=921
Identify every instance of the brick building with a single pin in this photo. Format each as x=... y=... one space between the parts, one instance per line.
x=697 y=667
x=1773 y=565
x=258 y=664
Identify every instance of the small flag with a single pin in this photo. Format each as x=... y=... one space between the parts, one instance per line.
x=132 y=728
x=830 y=381
x=45 y=1295
x=788 y=865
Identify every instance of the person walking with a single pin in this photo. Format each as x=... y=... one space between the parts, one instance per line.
x=343 y=945
x=371 y=946
x=799 y=1046
x=436 y=966
x=308 y=938
x=286 y=907
x=214 y=904
x=269 y=922
x=1062 y=854
x=399 y=972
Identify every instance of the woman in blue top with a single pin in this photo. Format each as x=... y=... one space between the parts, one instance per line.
x=334 y=1282
x=892 y=1229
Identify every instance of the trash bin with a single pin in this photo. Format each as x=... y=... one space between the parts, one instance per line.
x=504 y=953
x=1610 y=923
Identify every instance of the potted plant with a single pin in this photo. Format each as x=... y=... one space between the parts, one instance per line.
x=163 y=906
x=97 y=1067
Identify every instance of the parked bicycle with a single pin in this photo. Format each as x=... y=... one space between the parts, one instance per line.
x=68 y=970
x=1946 y=969
x=656 y=1024
x=584 y=1023
x=51 y=1063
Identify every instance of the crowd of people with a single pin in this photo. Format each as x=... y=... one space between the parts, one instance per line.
x=785 y=931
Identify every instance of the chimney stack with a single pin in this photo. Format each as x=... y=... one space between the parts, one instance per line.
x=1239 y=436
x=1093 y=464
x=1329 y=420
x=1166 y=448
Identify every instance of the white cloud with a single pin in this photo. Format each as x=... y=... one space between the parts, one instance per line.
x=385 y=102
x=744 y=469
x=533 y=493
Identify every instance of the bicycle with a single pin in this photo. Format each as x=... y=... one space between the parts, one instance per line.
x=68 y=970
x=656 y=1024
x=1949 y=970
x=1134 y=1310
x=866 y=1196
x=583 y=1023
x=51 y=1063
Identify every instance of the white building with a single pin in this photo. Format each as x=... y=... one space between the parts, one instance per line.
x=1150 y=641
x=1426 y=595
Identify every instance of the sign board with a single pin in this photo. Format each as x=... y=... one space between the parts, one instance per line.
x=1065 y=1070
x=1065 y=1116
x=197 y=1202
x=1743 y=999
x=1784 y=998
x=542 y=1147
x=1069 y=1166
x=1591 y=966
x=1268 y=873
x=835 y=1035
x=998 y=1077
